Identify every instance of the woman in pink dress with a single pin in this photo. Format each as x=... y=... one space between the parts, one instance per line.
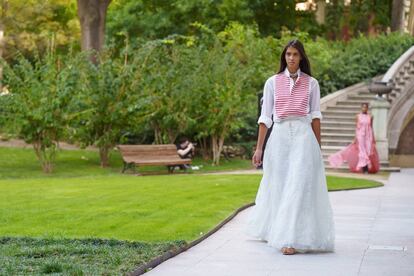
x=361 y=155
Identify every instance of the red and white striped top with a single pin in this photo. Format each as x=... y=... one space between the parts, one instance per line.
x=283 y=98
x=291 y=102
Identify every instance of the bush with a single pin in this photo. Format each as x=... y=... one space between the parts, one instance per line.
x=204 y=86
x=361 y=59
x=39 y=102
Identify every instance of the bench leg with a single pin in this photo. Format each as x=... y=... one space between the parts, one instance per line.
x=129 y=166
x=125 y=167
x=170 y=169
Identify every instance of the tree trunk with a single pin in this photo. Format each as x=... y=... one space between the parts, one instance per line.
x=172 y=135
x=217 y=142
x=397 y=16
x=104 y=156
x=92 y=14
x=214 y=148
x=410 y=26
x=320 y=11
x=205 y=150
x=1 y=55
x=45 y=158
x=371 y=27
x=4 y=6
x=157 y=135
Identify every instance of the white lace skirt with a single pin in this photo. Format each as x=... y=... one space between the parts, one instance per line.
x=292 y=204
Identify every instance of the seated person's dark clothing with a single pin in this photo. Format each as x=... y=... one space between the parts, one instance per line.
x=185 y=156
x=185 y=145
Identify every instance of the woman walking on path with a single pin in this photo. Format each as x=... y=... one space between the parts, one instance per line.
x=292 y=211
x=361 y=155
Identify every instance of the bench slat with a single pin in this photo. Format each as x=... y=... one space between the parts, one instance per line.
x=152 y=155
x=160 y=162
x=147 y=147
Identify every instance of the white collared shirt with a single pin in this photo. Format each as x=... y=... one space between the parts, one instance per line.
x=268 y=105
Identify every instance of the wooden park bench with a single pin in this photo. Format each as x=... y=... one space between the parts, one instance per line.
x=151 y=155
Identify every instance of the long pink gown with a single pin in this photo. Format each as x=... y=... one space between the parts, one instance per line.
x=360 y=153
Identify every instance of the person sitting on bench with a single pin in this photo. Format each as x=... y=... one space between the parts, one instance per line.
x=185 y=149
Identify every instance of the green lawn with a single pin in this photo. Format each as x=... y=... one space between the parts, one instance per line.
x=73 y=219
x=22 y=163
x=34 y=256
x=149 y=208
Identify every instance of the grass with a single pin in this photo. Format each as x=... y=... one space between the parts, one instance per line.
x=154 y=208
x=22 y=163
x=25 y=256
x=336 y=183
x=83 y=219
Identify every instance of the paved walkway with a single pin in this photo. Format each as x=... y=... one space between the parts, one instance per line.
x=374 y=236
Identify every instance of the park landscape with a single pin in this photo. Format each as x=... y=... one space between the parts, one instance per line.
x=148 y=73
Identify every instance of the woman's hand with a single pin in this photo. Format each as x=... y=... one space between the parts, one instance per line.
x=257 y=158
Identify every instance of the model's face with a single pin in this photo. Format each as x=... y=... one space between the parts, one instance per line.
x=364 y=108
x=293 y=58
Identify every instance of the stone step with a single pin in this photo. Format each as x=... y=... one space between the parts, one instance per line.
x=349 y=119
x=333 y=123
x=336 y=142
x=344 y=113
x=337 y=129
x=365 y=93
x=340 y=136
x=361 y=99
x=344 y=107
x=328 y=150
x=350 y=102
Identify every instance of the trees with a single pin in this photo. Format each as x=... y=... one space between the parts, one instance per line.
x=158 y=19
x=397 y=15
x=34 y=26
x=224 y=94
x=92 y=16
x=107 y=103
x=39 y=103
x=165 y=69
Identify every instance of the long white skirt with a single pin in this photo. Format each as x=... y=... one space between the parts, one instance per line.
x=292 y=204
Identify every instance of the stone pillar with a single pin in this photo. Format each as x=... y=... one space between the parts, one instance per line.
x=379 y=110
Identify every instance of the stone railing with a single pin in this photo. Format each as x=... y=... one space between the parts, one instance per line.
x=401 y=76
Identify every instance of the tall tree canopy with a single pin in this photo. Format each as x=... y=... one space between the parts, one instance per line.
x=157 y=18
x=34 y=25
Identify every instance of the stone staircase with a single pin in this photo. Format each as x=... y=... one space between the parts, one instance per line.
x=338 y=124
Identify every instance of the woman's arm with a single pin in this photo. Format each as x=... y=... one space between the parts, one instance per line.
x=183 y=152
x=315 y=109
x=257 y=157
x=316 y=127
x=356 y=126
x=265 y=121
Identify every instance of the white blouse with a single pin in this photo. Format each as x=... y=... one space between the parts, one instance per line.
x=268 y=105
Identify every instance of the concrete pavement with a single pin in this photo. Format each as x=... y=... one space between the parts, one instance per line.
x=374 y=236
